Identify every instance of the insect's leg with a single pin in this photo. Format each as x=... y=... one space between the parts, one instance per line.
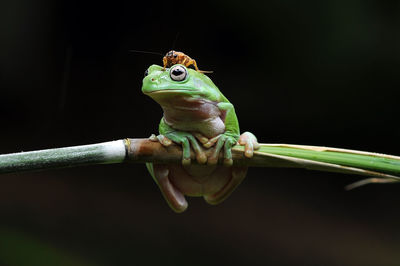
x=193 y=62
x=205 y=71
x=189 y=62
x=165 y=62
x=186 y=61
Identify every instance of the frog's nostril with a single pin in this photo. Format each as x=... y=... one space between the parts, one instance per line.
x=152 y=79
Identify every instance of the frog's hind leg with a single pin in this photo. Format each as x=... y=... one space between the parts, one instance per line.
x=175 y=199
x=237 y=176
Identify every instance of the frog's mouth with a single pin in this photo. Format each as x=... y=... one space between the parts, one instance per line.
x=181 y=90
x=169 y=91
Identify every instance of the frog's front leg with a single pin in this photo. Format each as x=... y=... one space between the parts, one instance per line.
x=229 y=138
x=185 y=139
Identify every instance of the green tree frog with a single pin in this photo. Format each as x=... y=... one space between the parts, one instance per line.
x=197 y=116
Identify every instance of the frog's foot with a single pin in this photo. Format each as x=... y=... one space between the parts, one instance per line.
x=162 y=139
x=211 y=142
x=227 y=141
x=237 y=176
x=186 y=139
x=207 y=143
x=200 y=137
x=175 y=198
x=250 y=143
x=153 y=137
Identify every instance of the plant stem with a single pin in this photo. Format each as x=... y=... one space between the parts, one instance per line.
x=269 y=155
x=101 y=153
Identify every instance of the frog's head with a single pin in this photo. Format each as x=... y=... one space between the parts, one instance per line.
x=178 y=80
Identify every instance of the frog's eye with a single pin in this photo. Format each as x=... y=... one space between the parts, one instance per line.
x=146 y=72
x=178 y=73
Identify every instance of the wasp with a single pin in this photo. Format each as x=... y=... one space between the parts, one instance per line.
x=174 y=57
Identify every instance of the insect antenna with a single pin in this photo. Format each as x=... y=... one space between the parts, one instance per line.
x=175 y=40
x=145 y=52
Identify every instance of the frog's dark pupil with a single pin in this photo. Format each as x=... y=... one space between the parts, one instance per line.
x=146 y=72
x=177 y=72
x=175 y=56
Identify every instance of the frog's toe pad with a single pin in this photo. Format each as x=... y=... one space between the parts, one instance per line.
x=186 y=161
x=164 y=140
x=201 y=158
x=228 y=161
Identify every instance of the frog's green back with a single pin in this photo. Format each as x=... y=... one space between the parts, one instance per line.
x=208 y=82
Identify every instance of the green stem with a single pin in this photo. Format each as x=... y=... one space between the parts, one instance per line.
x=370 y=161
x=386 y=168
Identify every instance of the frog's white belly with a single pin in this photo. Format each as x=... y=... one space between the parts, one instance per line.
x=195 y=116
x=209 y=128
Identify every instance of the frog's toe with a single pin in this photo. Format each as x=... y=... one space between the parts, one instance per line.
x=153 y=137
x=186 y=161
x=250 y=143
x=213 y=159
x=164 y=140
x=203 y=139
x=228 y=151
x=186 y=152
x=201 y=158
x=200 y=154
x=211 y=142
x=228 y=162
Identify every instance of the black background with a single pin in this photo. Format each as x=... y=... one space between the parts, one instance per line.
x=301 y=72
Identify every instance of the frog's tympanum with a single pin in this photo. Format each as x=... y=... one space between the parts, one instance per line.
x=197 y=116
